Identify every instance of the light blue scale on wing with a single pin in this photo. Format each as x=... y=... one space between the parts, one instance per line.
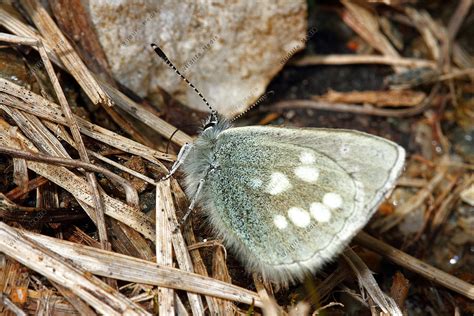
x=354 y=168
x=277 y=196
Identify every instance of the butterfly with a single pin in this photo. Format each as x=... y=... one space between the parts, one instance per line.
x=286 y=200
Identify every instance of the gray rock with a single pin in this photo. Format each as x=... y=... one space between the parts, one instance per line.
x=230 y=50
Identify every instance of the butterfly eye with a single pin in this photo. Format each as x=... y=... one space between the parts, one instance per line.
x=211 y=122
x=209 y=125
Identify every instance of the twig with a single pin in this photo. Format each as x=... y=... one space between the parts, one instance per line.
x=352 y=108
x=190 y=239
x=20 y=98
x=67 y=54
x=136 y=110
x=5 y=301
x=364 y=23
x=78 y=187
x=18 y=193
x=31 y=216
x=118 y=266
x=102 y=297
x=416 y=200
x=332 y=304
x=422 y=22
x=455 y=74
x=164 y=255
x=220 y=272
x=122 y=167
x=22 y=40
x=411 y=182
x=362 y=59
x=415 y=265
x=208 y=243
x=75 y=301
x=76 y=134
x=444 y=210
x=130 y=192
x=458 y=17
x=323 y=289
x=180 y=249
x=270 y=307
x=369 y=284
x=150 y=119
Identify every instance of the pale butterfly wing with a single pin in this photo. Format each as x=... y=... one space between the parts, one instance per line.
x=288 y=200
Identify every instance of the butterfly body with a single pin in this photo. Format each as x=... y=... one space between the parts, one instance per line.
x=287 y=200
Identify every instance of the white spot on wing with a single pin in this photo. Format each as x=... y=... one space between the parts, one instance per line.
x=278 y=183
x=320 y=212
x=307 y=173
x=280 y=221
x=307 y=158
x=299 y=217
x=256 y=183
x=332 y=200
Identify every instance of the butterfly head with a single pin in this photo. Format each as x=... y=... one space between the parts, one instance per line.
x=211 y=121
x=214 y=125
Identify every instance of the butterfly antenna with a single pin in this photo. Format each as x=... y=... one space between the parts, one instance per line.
x=163 y=56
x=260 y=100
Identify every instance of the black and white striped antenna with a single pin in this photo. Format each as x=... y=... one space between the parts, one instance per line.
x=163 y=56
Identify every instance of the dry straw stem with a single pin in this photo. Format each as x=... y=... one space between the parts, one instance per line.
x=151 y=120
x=6 y=302
x=20 y=40
x=170 y=221
x=130 y=191
x=70 y=59
x=39 y=136
x=411 y=182
x=60 y=132
x=369 y=285
x=324 y=288
x=78 y=187
x=164 y=251
x=364 y=23
x=180 y=308
x=363 y=59
x=76 y=134
x=415 y=265
x=424 y=24
x=17 y=97
x=445 y=208
x=103 y=298
x=165 y=129
x=353 y=108
x=190 y=239
x=393 y=98
x=416 y=200
x=130 y=269
x=122 y=167
x=74 y=65
x=17 y=192
x=81 y=307
x=220 y=272
x=270 y=306
x=456 y=74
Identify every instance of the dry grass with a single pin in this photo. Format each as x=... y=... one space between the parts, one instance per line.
x=139 y=263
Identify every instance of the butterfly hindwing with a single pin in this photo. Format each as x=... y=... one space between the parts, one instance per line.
x=290 y=199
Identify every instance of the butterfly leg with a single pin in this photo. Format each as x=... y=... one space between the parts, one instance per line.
x=183 y=153
x=194 y=198
x=184 y=220
x=193 y=201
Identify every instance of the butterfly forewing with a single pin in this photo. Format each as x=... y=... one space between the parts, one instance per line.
x=290 y=199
